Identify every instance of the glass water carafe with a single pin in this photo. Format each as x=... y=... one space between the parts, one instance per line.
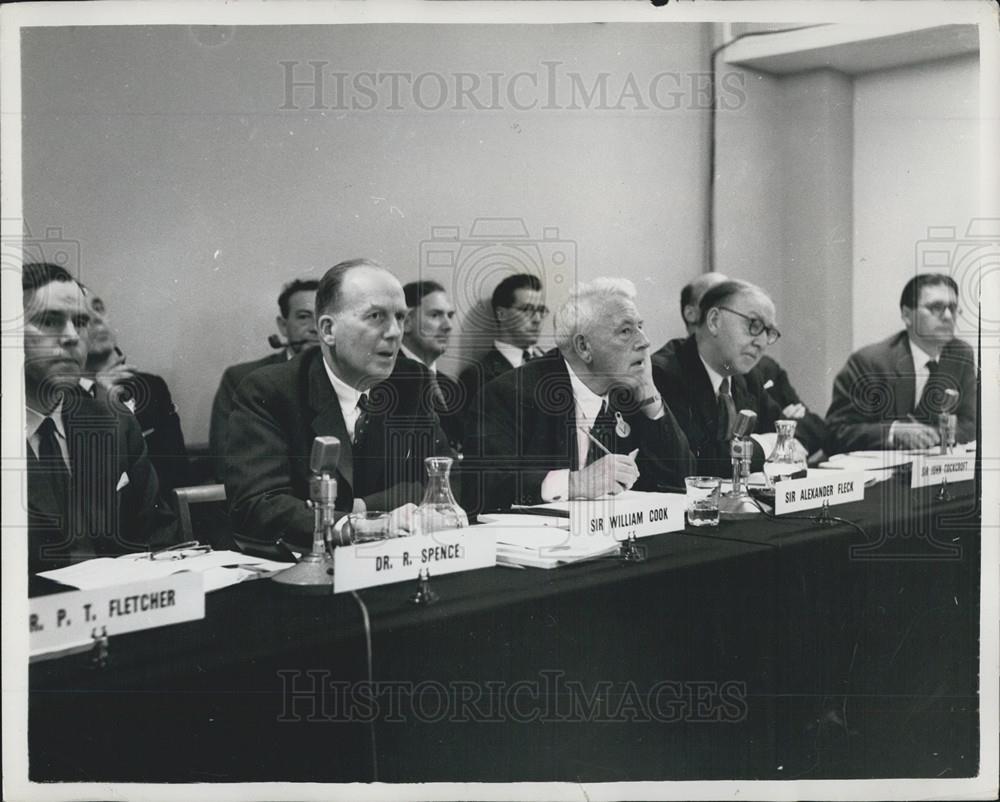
x=785 y=461
x=439 y=510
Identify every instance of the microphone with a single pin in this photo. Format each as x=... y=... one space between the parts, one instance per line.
x=276 y=342
x=314 y=572
x=948 y=421
x=745 y=421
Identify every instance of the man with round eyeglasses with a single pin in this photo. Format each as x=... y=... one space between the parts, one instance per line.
x=708 y=378
x=889 y=394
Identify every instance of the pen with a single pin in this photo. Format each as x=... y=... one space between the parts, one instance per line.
x=595 y=441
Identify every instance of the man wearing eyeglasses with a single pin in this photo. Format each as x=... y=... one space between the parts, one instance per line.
x=889 y=394
x=91 y=488
x=519 y=311
x=708 y=378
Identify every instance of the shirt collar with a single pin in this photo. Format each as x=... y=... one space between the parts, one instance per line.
x=87 y=385
x=511 y=353
x=920 y=356
x=713 y=377
x=33 y=419
x=432 y=366
x=587 y=401
x=347 y=396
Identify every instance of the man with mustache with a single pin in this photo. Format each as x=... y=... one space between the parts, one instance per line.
x=709 y=377
x=351 y=387
x=297 y=325
x=888 y=394
x=91 y=488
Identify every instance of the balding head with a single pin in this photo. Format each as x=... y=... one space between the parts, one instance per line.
x=691 y=296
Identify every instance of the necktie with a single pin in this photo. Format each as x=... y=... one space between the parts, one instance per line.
x=926 y=410
x=526 y=355
x=361 y=424
x=52 y=465
x=602 y=430
x=440 y=406
x=727 y=411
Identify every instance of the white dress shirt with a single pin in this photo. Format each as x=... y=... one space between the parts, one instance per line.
x=347 y=397
x=432 y=367
x=513 y=354
x=33 y=420
x=587 y=405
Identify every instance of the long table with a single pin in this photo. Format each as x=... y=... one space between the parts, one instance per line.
x=765 y=649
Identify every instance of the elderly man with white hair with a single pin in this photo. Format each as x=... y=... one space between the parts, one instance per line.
x=582 y=421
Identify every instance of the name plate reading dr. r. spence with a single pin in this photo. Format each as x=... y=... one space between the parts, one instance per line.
x=930 y=470
x=831 y=486
x=382 y=562
x=631 y=513
x=66 y=622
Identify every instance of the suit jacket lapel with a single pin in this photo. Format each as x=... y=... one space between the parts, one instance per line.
x=904 y=386
x=328 y=419
x=703 y=404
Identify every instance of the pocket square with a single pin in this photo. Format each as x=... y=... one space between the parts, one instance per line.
x=123 y=482
x=768 y=384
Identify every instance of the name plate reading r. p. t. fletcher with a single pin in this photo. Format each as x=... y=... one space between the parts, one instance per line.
x=931 y=469
x=66 y=622
x=383 y=562
x=631 y=513
x=831 y=486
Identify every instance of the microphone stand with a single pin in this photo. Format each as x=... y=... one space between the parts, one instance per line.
x=738 y=503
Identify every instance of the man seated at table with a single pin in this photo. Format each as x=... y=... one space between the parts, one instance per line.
x=145 y=395
x=518 y=305
x=91 y=488
x=889 y=394
x=426 y=334
x=297 y=325
x=708 y=378
x=351 y=387
x=582 y=421
x=773 y=377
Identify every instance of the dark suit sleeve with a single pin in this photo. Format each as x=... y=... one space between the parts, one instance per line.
x=967 y=387
x=218 y=429
x=664 y=457
x=262 y=504
x=498 y=472
x=165 y=441
x=854 y=423
x=782 y=391
x=147 y=521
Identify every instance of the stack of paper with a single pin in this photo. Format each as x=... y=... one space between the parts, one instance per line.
x=543 y=542
x=219 y=569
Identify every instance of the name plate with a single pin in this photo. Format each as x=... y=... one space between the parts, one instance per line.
x=931 y=469
x=832 y=487
x=632 y=513
x=65 y=622
x=383 y=562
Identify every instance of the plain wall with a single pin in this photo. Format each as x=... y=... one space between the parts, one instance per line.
x=163 y=155
x=916 y=167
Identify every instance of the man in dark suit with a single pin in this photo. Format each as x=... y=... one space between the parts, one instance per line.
x=707 y=378
x=297 y=325
x=351 y=387
x=773 y=377
x=518 y=309
x=582 y=421
x=91 y=488
x=888 y=394
x=426 y=335
x=108 y=377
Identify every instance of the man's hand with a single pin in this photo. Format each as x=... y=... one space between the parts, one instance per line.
x=794 y=411
x=912 y=434
x=403 y=521
x=611 y=474
x=644 y=389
